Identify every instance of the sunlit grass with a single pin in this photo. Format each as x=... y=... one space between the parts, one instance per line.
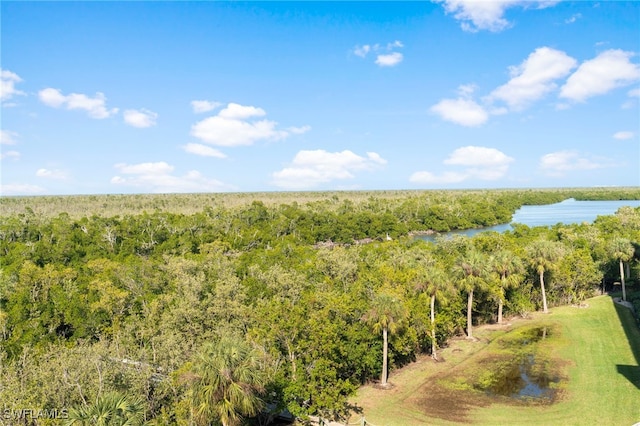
x=593 y=344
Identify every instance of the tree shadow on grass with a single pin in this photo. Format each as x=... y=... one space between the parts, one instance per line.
x=632 y=331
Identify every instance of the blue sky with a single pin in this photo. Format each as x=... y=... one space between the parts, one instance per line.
x=141 y=97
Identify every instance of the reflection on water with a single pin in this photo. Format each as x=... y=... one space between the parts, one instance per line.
x=523 y=376
x=568 y=212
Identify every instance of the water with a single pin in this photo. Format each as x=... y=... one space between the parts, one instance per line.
x=523 y=377
x=567 y=212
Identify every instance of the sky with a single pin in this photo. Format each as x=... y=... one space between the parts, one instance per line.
x=167 y=97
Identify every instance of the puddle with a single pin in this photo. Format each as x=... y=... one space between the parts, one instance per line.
x=520 y=374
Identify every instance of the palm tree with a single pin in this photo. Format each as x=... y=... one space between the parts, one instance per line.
x=110 y=409
x=386 y=314
x=543 y=255
x=622 y=250
x=508 y=268
x=227 y=379
x=472 y=271
x=433 y=282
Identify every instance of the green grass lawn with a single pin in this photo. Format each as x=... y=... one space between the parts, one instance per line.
x=598 y=349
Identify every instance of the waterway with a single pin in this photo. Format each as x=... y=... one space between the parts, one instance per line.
x=567 y=212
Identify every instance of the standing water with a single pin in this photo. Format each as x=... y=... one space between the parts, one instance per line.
x=567 y=212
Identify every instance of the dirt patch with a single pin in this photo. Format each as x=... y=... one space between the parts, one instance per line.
x=438 y=400
x=387 y=386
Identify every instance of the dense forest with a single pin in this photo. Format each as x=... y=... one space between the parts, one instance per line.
x=232 y=308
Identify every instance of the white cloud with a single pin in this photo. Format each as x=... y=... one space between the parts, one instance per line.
x=95 y=106
x=481 y=163
x=560 y=162
x=20 y=189
x=157 y=177
x=235 y=111
x=385 y=55
x=52 y=97
x=8 y=137
x=203 y=150
x=159 y=168
x=389 y=60
x=445 y=178
x=14 y=155
x=634 y=93
x=465 y=112
x=52 y=174
x=204 y=106
x=232 y=127
x=607 y=71
x=535 y=77
x=478 y=156
x=361 y=50
x=299 y=130
x=140 y=118
x=8 y=82
x=573 y=18
x=623 y=135
x=466 y=90
x=312 y=168
x=486 y=15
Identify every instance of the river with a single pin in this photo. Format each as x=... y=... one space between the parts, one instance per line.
x=567 y=212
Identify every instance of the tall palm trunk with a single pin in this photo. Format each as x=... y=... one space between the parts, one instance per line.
x=433 y=328
x=544 y=293
x=469 y=309
x=500 y=303
x=624 y=291
x=383 y=378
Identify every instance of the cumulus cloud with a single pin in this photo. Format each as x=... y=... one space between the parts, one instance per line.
x=235 y=125
x=235 y=111
x=95 y=107
x=52 y=174
x=203 y=150
x=560 y=162
x=20 y=189
x=8 y=82
x=486 y=15
x=386 y=56
x=312 y=168
x=607 y=71
x=157 y=177
x=624 y=135
x=204 y=106
x=389 y=60
x=478 y=156
x=534 y=77
x=465 y=112
x=140 y=118
x=480 y=163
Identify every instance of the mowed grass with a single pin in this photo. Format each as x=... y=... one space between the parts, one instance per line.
x=597 y=349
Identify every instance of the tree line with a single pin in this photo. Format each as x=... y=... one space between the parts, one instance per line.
x=233 y=312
